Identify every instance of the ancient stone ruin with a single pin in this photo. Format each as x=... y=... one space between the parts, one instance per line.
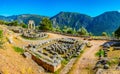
x=31 y=32
x=31 y=25
x=49 y=54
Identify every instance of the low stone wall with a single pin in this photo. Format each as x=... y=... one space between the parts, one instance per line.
x=46 y=36
x=116 y=48
x=83 y=36
x=47 y=66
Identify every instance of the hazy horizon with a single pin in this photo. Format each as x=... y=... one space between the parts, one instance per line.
x=53 y=7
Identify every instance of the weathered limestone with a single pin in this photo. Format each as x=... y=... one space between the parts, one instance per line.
x=32 y=33
x=10 y=40
x=31 y=25
x=27 y=55
x=52 y=52
x=47 y=65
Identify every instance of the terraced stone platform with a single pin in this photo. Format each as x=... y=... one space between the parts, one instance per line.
x=49 y=54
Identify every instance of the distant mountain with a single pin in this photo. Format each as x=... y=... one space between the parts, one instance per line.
x=24 y=18
x=74 y=20
x=4 y=18
x=106 y=22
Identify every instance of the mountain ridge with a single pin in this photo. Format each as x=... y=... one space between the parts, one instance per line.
x=23 y=18
x=66 y=18
x=108 y=22
x=105 y=22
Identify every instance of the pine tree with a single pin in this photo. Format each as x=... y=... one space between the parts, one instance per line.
x=83 y=31
x=117 y=33
x=64 y=29
x=45 y=24
x=104 y=34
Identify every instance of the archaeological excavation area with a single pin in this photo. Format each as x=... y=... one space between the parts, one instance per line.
x=50 y=54
x=56 y=53
x=30 y=32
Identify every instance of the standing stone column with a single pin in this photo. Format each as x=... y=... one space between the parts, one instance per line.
x=31 y=25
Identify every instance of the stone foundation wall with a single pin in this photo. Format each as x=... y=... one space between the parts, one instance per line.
x=45 y=65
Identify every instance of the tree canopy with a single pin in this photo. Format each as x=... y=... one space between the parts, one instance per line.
x=57 y=29
x=69 y=30
x=83 y=31
x=45 y=24
x=13 y=23
x=104 y=34
x=1 y=34
x=2 y=22
x=23 y=25
x=64 y=29
x=117 y=33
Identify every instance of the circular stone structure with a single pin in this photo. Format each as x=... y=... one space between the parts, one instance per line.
x=33 y=34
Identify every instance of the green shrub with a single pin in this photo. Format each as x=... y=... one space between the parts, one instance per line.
x=100 y=52
x=82 y=51
x=65 y=61
x=19 y=50
x=1 y=34
x=1 y=39
x=24 y=26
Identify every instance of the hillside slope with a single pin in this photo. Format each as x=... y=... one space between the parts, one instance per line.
x=12 y=62
x=24 y=18
x=106 y=22
x=70 y=19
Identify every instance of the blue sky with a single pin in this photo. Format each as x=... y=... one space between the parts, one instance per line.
x=52 y=7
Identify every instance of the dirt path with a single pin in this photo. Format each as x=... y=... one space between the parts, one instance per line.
x=88 y=58
x=66 y=69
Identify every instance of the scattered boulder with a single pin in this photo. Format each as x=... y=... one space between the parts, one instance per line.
x=99 y=71
x=27 y=55
x=106 y=66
